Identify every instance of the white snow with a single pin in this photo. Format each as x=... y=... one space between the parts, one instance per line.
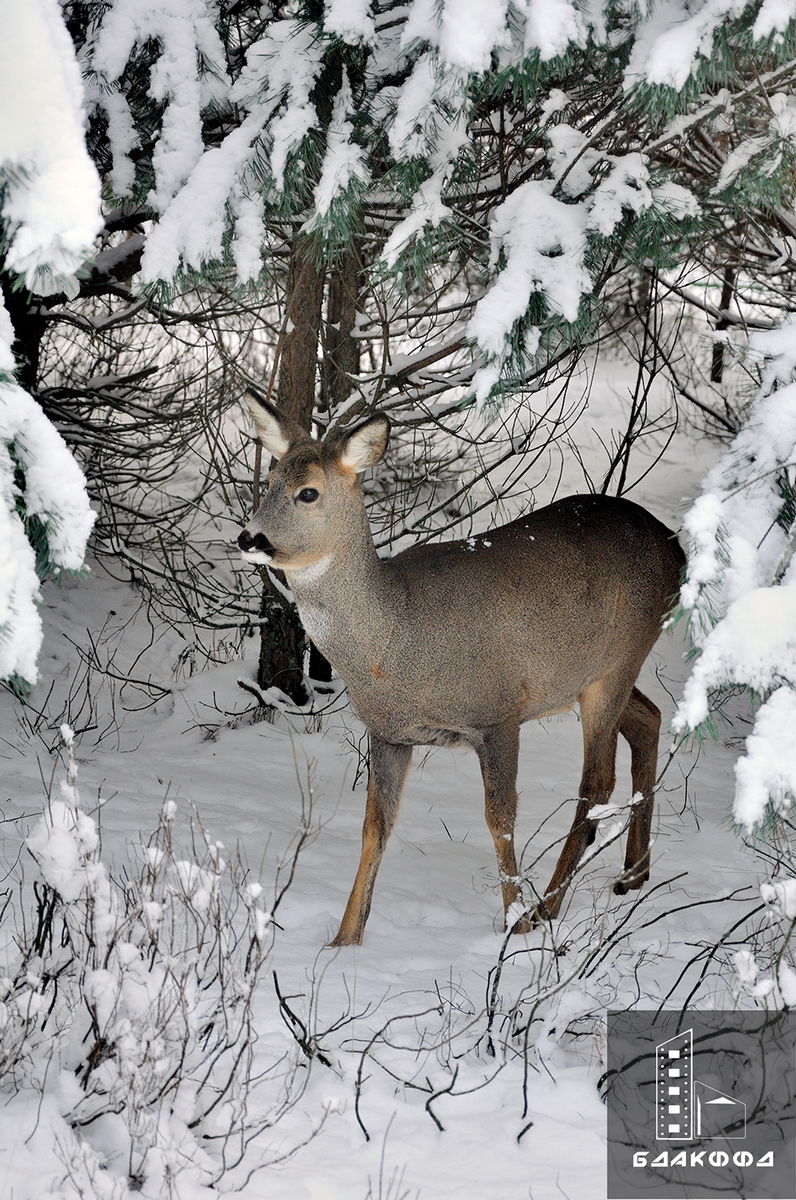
x=350 y=20
x=780 y=896
x=773 y=16
x=428 y=207
x=470 y=30
x=571 y=158
x=410 y=131
x=737 y=160
x=740 y=587
x=551 y=26
x=61 y=843
x=51 y=213
x=671 y=39
x=786 y=979
x=55 y=491
x=767 y=770
x=185 y=30
x=543 y=242
x=193 y=226
x=674 y=199
x=281 y=69
x=625 y=187
x=248 y=241
x=20 y=625
x=344 y=161
x=432 y=941
x=122 y=138
x=464 y=33
x=55 y=488
x=7 y=363
x=754 y=645
x=51 y=191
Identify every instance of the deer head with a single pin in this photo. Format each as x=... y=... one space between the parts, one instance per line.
x=313 y=503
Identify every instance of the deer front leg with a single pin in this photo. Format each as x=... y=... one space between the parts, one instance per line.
x=387 y=772
x=498 y=756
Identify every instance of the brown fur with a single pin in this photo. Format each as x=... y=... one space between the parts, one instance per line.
x=461 y=642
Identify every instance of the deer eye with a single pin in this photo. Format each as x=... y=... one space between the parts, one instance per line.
x=308 y=495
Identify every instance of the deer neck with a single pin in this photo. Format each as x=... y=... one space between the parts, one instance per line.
x=344 y=599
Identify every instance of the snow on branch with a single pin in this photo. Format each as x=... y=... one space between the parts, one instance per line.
x=542 y=243
x=188 y=75
x=50 y=206
x=280 y=74
x=50 y=217
x=674 y=37
x=55 y=492
x=344 y=163
x=740 y=588
x=351 y=20
x=193 y=227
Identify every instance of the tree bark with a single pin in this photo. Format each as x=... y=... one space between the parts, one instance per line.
x=28 y=326
x=340 y=349
x=282 y=638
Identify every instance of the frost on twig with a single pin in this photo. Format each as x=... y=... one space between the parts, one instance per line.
x=131 y=1003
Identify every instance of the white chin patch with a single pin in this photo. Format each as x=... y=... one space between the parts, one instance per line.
x=313 y=571
x=256 y=556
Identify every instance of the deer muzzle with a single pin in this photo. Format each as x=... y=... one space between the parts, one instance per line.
x=256 y=543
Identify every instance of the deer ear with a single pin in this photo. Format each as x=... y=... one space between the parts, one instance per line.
x=365 y=444
x=272 y=431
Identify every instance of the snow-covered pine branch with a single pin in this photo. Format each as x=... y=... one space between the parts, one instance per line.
x=740 y=589
x=425 y=134
x=50 y=195
x=50 y=216
x=54 y=492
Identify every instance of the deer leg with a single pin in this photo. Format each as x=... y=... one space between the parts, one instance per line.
x=640 y=725
x=498 y=757
x=388 y=767
x=601 y=704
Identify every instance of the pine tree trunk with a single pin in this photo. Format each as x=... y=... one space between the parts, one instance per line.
x=28 y=326
x=282 y=638
x=340 y=363
x=340 y=349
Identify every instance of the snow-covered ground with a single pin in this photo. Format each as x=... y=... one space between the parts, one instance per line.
x=404 y=1016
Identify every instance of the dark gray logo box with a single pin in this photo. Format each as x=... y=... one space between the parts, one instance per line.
x=701 y=1104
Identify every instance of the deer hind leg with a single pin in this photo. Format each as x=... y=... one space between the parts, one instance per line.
x=601 y=706
x=640 y=725
x=498 y=757
x=388 y=767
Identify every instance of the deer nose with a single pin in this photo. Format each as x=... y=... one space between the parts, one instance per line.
x=258 y=542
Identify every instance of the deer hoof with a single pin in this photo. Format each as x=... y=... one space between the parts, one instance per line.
x=545 y=911
x=630 y=881
x=346 y=939
x=525 y=924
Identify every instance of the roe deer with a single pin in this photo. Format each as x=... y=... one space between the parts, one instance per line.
x=460 y=642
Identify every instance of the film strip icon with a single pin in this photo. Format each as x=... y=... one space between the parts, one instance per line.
x=674 y=1069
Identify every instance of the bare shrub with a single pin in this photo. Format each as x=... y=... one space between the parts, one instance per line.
x=133 y=997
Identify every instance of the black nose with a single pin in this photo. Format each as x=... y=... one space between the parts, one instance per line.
x=258 y=542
